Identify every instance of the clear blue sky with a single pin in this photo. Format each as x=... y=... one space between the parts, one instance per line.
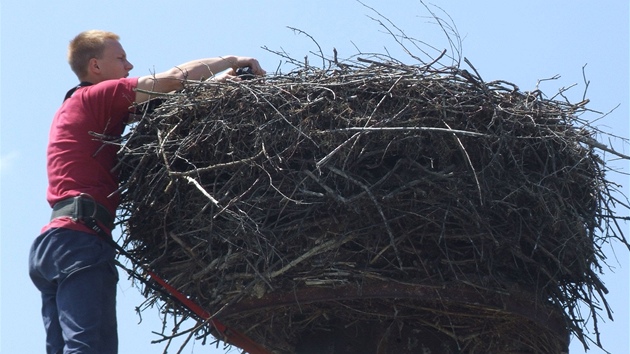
x=517 y=41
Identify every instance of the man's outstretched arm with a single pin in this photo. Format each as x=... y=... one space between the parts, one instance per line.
x=200 y=69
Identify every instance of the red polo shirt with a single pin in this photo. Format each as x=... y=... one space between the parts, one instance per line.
x=79 y=161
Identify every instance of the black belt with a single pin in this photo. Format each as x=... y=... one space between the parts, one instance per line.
x=82 y=208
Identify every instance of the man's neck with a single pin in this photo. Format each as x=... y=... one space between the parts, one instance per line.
x=72 y=90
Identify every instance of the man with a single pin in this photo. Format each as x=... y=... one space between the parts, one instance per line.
x=72 y=267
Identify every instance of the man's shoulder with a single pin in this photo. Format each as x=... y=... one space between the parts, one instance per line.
x=131 y=82
x=114 y=95
x=108 y=90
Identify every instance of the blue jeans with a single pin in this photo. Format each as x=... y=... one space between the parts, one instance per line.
x=76 y=275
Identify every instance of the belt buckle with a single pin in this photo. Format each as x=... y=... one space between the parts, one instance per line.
x=79 y=206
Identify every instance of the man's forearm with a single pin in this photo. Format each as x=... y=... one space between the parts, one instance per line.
x=205 y=68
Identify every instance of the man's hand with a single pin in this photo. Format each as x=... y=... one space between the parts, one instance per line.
x=240 y=73
x=252 y=63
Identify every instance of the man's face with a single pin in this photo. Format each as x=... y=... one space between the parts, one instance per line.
x=113 y=64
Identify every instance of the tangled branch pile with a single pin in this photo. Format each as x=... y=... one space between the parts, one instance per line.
x=414 y=196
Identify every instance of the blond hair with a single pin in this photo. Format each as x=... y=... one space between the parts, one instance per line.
x=85 y=46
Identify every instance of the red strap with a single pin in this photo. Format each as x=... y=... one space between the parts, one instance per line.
x=230 y=335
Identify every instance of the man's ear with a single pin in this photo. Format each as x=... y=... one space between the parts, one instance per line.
x=93 y=66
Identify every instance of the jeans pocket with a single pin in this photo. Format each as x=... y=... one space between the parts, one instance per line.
x=80 y=250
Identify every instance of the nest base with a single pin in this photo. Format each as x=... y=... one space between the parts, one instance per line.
x=385 y=317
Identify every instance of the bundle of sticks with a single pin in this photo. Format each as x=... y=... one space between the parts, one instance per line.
x=373 y=191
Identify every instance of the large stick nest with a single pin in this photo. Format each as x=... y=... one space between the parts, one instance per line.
x=417 y=195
